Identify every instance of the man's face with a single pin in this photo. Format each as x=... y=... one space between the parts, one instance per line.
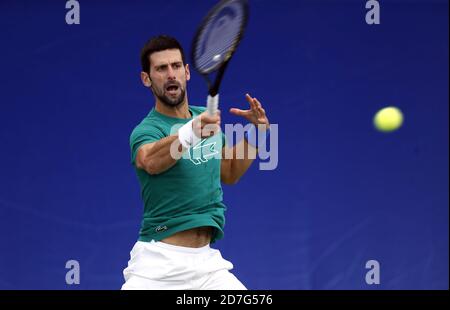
x=168 y=77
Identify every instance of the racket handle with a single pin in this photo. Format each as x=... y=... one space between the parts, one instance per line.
x=212 y=104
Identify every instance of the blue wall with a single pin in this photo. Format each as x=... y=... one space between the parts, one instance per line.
x=342 y=194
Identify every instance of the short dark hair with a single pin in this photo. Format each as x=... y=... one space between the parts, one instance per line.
x=157 y=44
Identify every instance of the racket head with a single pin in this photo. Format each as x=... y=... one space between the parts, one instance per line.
x=219 y=35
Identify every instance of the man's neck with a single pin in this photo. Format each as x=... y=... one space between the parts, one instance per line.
x=180 y=111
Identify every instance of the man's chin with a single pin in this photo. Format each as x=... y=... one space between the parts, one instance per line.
x=172 y=102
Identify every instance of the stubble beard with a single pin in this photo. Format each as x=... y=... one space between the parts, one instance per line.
x=168 y=101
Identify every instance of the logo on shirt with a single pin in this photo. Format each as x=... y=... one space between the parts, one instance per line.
x=160 y=229
x=202 y=152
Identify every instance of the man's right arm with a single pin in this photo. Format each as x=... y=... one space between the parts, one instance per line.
x=157 y=157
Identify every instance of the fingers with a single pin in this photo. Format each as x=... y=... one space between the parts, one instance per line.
x=251 y=101
x=206 y=125
x=239 y=112
x=259 y=107
x=256 y=106
x=249 y=98
x=206 y=118
x=210 y=130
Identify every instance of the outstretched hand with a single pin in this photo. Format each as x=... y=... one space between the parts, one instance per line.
x=256 y=114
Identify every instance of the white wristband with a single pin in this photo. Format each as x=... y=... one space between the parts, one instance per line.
x=187 y=136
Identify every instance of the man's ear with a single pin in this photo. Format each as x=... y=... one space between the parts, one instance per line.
x=145 y=78
x=188 y=73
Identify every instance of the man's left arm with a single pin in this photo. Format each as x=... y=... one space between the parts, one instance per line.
x=236 y=160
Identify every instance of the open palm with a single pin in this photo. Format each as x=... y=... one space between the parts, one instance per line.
x=255 y=115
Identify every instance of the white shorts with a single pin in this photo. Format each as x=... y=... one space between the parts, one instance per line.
x=161 y=266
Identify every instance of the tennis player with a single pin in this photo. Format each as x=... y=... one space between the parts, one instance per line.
x=180 y=176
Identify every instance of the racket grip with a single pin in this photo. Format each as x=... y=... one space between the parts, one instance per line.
x=212 y=104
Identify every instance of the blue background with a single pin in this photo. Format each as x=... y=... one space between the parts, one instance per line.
x=342 y=194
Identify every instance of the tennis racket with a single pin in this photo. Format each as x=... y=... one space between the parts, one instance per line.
x=215 y=42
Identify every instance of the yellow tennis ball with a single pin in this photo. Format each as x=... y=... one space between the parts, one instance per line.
x=388 y=119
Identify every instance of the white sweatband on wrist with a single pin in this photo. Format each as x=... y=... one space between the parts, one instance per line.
x=187 y=136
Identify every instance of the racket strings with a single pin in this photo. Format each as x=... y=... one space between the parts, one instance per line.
x=215 y=55
x=219 y=37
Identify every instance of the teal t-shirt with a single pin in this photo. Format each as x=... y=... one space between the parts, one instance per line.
x=187 y=195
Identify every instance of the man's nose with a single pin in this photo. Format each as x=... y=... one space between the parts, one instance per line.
x=171 y=73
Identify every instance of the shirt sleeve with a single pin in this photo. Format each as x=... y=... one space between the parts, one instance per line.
x=140 y=137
